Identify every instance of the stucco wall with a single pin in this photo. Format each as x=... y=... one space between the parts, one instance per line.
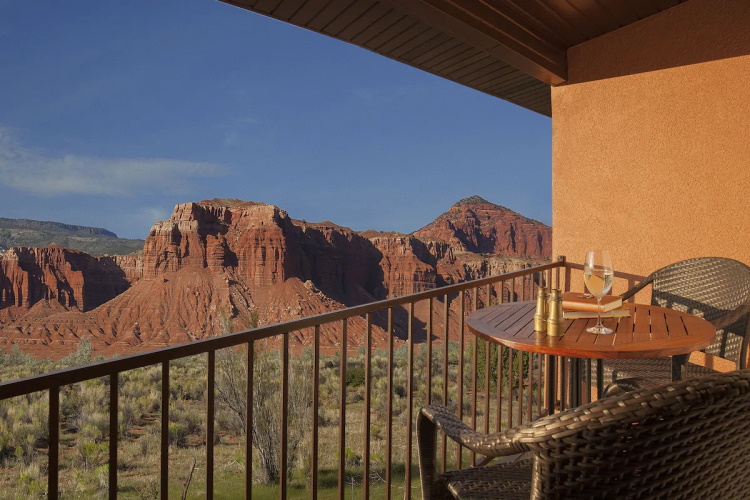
x=651 y=140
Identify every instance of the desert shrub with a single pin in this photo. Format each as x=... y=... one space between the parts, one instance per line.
x=231 y=379
x=351 y=458
x=148 y=443
x=188 y=378
x=90 y=453
x=187 y=419
x=83 y=355
x=32 y=482
x=24 y=427
x=178 y=434
x=355 y=375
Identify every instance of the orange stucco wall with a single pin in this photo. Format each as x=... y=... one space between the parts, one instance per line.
x=651 y=140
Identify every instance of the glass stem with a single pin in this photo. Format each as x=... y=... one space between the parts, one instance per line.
x=599 y=312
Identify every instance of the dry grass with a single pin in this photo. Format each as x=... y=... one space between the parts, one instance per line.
x=83 y=459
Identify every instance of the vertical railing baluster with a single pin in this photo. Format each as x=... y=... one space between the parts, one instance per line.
x=521 y=356
x=539 y=385
x=488 y=293
x=428 y=367
x=113 y=433
x=460 y=388
x=446 y=318
x=389 y=411
x=250 y=361
x=562 y=377
x=315 y=416
x=342 y=413
x=210 y=395
x=368 y=363
x=510 y=388
x=549 y=278
x=164 y=465
x=549 y=389
x=475 y=374
x=499 y=388
x=284 y=418
x=409 y=401
x=486 y=387
x=53 y=456
x=530 y=408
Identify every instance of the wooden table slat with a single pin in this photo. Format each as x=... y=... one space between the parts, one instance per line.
x=497 y=315
x=624 y=330
x=658 y=325
x=523 y=325
x=592 y=338
x=516 y=316
x=486 y=313
x=642 y=328
x=675 y=326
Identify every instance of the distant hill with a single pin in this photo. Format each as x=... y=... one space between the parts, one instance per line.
x=92 y=240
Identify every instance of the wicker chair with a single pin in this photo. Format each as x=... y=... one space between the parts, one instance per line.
x=716 y=289
x=685 y=440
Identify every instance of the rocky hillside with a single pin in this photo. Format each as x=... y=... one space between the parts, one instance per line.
x=224 y=265
x=475 y=225
x=92 y=240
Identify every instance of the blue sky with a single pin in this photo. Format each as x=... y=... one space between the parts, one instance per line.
x=113 y=112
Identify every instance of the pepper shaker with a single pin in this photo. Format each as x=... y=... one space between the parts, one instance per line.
x=555 y=319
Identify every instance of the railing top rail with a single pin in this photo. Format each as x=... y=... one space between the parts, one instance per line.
x=116 y=365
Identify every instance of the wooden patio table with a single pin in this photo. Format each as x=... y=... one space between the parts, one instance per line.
x=650 y=332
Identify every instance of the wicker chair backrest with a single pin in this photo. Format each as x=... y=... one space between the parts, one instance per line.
x=686 y=440
x=708 y=287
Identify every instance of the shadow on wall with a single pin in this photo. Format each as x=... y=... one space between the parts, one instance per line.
x=693 y=32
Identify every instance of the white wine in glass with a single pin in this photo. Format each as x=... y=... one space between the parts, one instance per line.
x=598 y=275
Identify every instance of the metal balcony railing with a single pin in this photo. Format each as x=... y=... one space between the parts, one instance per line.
x=517 y=397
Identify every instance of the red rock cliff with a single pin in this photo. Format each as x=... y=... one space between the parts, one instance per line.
x=72 y=278
x=478 y=226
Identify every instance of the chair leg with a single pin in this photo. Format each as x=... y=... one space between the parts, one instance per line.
x=432 y=487
x=679 y=366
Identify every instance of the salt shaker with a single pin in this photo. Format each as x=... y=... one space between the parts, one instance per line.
x=540 y=317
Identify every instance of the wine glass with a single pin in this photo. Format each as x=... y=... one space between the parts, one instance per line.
x=598 y=275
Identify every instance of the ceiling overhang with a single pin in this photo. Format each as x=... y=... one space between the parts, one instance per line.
x=511 y=49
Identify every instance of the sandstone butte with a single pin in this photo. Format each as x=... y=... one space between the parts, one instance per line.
x=221 y=265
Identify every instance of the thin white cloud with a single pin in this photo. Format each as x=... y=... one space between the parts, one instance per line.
x=237 y=129
x=29 y=170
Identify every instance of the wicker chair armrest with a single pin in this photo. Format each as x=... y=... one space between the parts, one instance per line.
x=732 y=316
x=637 y=288
x=490 y=445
